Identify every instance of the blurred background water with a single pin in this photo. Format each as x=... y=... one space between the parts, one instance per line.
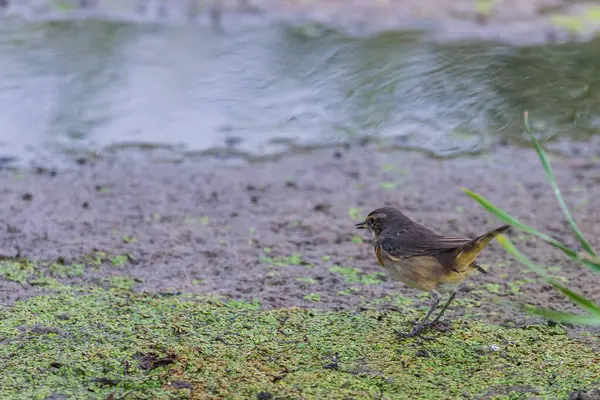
x=266 y=87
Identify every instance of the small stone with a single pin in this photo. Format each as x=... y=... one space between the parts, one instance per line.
x=264 y=396
x=422 y=353
x=322 y=207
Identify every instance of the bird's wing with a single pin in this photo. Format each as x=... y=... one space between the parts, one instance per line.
x=450 y=242
x=418 y=242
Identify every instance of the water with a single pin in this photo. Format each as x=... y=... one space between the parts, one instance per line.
x=265 y=88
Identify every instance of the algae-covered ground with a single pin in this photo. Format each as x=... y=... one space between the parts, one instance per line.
x=113 y=343
x=126 y=277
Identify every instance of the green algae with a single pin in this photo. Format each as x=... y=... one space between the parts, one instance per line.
x=354 y=275
x=54 y=275
x=316 y=297
x=96 y=343
x=293 y=259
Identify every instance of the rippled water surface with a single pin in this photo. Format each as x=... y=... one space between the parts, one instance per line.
x=261 y=89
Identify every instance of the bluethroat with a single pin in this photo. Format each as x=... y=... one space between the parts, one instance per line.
x=422 y=259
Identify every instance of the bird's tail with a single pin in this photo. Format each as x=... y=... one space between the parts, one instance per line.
x=470 y=250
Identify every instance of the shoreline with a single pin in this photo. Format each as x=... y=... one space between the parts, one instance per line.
x=537 y=22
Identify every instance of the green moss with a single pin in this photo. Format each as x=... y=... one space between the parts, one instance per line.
x=67 y=271
x=353 y=275
x=578 y=23
x=243 y=305
x=306 y=280
x=128 y=239
x=31 y=273
x=91 y=343
x=96 y=258
x=515 y=286
x=119 y=261
x=494 y=288
x=350 y=291
x=388 y=185
x=100 y=257
x=294 y=259
x=485 y=7
x=122 y=282
x=357 y=239
x=102 y=189
x=313 y=297
x=355 y=213
x=197 y=219
x=20 y=272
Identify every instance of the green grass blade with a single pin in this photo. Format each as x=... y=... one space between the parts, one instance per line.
x=589 y=262
x=504 y=216
x=593 y=265
x=590 y=258
x=576 y=298
x=546 y=163
x=553 y=315
x=559 y=316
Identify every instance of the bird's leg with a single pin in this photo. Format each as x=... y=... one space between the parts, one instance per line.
x=443 y=309
x=419 y=327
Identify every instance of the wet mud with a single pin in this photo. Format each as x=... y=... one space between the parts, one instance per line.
x=281 y=232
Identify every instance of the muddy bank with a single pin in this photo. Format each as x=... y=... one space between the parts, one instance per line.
x=539 y=21
x=282 y=232
x=518 y=22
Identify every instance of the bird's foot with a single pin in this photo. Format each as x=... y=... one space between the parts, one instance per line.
x=441 y=326
x=416 y=332
x=420 y=328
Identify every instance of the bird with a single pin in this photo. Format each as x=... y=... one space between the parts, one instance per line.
x=423 y=259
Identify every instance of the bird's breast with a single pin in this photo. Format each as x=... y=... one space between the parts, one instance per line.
x=420 y=272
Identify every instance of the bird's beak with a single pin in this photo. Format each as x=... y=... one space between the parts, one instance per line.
x=362 y=225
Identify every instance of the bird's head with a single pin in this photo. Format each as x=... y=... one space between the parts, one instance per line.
x=378 y=220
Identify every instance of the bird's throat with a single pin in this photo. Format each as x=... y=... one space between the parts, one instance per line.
x=373 y=234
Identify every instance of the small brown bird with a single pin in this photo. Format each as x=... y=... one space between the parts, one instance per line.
x=422 y=259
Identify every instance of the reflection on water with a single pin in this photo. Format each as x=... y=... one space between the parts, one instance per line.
x=93 y=84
